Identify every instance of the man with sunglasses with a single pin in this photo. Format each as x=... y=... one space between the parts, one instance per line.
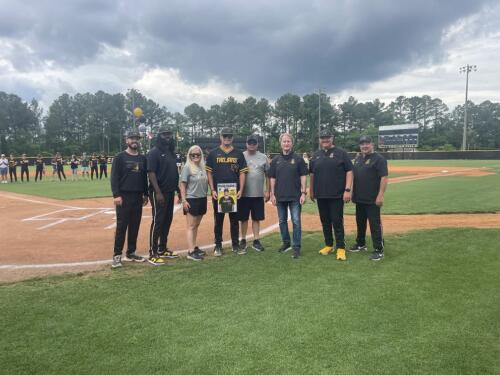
x=254 y=196
x=163 y=183
x=330 y=184
x=225 y=164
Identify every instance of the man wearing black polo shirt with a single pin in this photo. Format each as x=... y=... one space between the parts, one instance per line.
x=331 y=181
x=129 y=184
x=370 y=182
x=225 y=164
x=164 y=182
x=288 y=179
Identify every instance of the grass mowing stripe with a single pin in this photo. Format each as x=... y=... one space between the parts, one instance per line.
x=430 y=306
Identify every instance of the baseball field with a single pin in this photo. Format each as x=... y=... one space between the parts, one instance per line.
x=431 y=306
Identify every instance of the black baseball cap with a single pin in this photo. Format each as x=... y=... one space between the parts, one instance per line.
x=365 y=139
x=133 y=133
x=253 y=137
x=325 y=133
x=226 y=131
x=165 y=129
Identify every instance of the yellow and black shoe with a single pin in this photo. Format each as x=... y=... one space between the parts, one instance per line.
x=156 y=261
x=341 y=254
x=326 y=250
x=168 y=254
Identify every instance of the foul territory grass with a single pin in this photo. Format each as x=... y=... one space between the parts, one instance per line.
x=431 y=307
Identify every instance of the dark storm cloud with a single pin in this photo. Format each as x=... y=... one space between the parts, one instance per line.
x=269 y=47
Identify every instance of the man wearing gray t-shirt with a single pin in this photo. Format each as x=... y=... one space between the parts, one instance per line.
x=254 y=195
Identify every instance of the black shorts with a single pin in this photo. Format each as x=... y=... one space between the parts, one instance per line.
x=198 y=206
x=255 y=205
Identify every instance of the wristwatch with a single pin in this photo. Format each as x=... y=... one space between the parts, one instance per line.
x=347 y=190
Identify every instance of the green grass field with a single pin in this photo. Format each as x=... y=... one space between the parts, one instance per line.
x=430 y=307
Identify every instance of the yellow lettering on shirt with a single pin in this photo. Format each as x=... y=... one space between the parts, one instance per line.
x=225 y=159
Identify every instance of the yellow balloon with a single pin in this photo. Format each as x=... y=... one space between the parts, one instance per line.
x=137 y=112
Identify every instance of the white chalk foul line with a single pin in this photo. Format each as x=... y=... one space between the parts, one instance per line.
x=112 y=226
x=12 y=267
x=8 y=196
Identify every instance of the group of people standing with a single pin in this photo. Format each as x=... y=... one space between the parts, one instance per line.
x=334 y=181
x=97 y=164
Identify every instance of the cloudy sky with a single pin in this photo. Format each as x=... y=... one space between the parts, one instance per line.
x=179 y=52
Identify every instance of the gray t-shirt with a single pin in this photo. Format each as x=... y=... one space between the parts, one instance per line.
x=197 y=184
x=258 y=166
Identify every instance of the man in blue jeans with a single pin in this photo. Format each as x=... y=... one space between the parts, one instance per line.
x=288 y=178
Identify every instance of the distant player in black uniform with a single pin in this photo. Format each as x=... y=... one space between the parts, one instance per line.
x=225 y=164
x=39 y=166
x=94 y=161
x=129 y=184
x=103 y=166
x=370 y=182
x=330 y=183
x=60 y=166
x=163 y=183
x=25 y=165
x=12 y=168
x=74 y=167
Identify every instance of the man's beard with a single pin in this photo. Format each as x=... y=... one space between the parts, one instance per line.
x=165 y=145
x=134 y=146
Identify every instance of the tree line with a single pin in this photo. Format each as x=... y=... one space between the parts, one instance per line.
x=96 y=122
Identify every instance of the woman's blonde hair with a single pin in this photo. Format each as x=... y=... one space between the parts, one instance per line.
x=193 y=168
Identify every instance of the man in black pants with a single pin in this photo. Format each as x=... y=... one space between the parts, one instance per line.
x=129 y=184
x=225 y=164
x=25 y=165
x=331 y=182
x=370 y=182
x=164 y=182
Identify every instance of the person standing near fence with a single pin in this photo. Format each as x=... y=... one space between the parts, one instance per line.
x=25 y=165
x=129 y=185
x=370 y=181
x=330 y=184
x=60 y=166
x=4 y=168
x=74 y=167
x=12 y=168
x=84 y=161
x=94 y=161
x=103 y=166
x=163 y=183
x=39 y=166
x=288 y=177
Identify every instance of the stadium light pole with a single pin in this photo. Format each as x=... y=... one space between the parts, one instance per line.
x=319 y=117
x=466 y=69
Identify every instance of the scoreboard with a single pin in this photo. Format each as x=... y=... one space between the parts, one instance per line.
x=398 y=136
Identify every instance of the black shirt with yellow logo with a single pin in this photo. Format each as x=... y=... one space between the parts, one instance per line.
x=129 y=174
x=287 y=170
x=226 y=166
x=330 y=168
x=368 y=171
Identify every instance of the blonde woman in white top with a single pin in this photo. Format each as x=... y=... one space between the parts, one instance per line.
x=194 y=188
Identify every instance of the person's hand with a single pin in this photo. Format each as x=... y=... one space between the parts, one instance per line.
x=186 y=206
x=379 y=201
x=273 y=199
x=239 y=194
x=145 y=200
x=118 y=201
x=302 y=198
x=160 y=199
x=214 y=195
x=267 y=196
x=179 y=199
x=347 y=196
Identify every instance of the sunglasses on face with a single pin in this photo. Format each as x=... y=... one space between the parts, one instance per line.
x=195 y=155
x=252 y=143
x=227 y=136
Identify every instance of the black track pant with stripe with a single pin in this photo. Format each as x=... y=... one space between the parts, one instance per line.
x=219 y=225
x=162 y=215
x=370 y=213
x=331 y=214
x=128 y=219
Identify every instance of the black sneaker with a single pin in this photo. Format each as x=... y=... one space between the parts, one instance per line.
x=377 y=255
x=257 y=246
x=357 y=248
x=194 y=256
x=199 y=251
x=236 y=249
x=217 y=251
x=243 y=244
x=285 y=247
x=132 y=257
x=296 y=253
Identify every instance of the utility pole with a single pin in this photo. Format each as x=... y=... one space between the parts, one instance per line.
x=466 y=69
x=319 y=116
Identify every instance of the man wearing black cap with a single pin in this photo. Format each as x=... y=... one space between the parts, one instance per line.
x=330 y=183
x=129 y=184
x=254 y=196
x=225 y=164
x=370 y=182
x=164 y=182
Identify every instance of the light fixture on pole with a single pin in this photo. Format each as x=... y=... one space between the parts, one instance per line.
x=466 y=69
